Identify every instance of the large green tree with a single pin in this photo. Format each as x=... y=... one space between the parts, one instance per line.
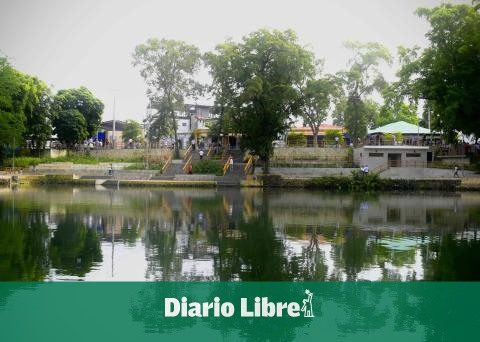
x=318 y=99
x=168 y=67
x=38 y=113
x=446 y=75
x=361 y=79
x=222 y=69
x=12 y=105
x=70 y=127
x=261 y=83
x=84 y=102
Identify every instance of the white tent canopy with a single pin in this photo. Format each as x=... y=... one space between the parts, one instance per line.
x=400 y=126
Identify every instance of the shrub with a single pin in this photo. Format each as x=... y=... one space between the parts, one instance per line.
x=365 y=182
x=334 y=183
x=296 y=140
x=331 y=134
x=207 y=167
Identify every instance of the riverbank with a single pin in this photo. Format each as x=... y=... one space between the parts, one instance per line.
x=355 y=183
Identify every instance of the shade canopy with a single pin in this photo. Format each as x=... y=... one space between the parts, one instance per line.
x=400 y=126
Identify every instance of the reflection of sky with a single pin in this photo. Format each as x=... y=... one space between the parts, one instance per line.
x=395 y=228
x=372 y=272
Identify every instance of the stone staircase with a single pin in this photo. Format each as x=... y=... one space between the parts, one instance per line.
x=175 y=168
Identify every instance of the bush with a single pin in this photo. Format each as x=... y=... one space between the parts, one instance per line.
x=334 y=183
x=296 y=140
x=207 y=167
x=331 y=134
x=365 y=182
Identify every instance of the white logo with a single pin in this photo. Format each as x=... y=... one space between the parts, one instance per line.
x=258 y=307
x=307 y=307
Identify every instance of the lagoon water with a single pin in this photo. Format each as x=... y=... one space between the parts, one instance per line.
x=65 y=233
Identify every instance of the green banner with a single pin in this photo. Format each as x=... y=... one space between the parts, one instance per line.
x=251 y=311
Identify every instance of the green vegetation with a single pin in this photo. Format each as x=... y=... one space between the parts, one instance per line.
x=70 y=127
x=332 y=134
x=360 y=80
x=29 y=113
x=207 y=167
x=168 y=67
x=258 y=85
x=132 y=130
x=83 y=101
x=446 y=74
x=296 y=140
x=360 y=182
x=24 y=162
x=318 y=98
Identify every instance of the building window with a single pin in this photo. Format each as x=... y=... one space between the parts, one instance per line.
x=413 y=155
x=375 y=154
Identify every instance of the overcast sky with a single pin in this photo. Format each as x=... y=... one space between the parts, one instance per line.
x=70 y=43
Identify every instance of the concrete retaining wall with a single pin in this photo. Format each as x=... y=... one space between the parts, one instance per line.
x=310 y=153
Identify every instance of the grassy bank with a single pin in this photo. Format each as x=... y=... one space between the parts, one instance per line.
x=25 y=162
x=359 y=182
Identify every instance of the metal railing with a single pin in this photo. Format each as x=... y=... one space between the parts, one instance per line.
x=249 y=166
x=226 y=166
x=188 y=152
x=210 y=150
x=167 y=164
x=188 y=162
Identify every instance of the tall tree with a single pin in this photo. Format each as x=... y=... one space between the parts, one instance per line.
x=220 y=64
x=12 y=106
x=446 y=75
x=261 y=80
x=83 y=101
x=70 y=127
x=361 y=79
x=318 y=98
x=168 y=67
x=38 y=113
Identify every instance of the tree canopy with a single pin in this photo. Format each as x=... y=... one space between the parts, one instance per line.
x=318 y=99
x=361 y=79
x=168 y=67
x=12 y=104
x=446 y=75
x=132 y=130
x=85 y=102
x=70 y=127
x=261 y=81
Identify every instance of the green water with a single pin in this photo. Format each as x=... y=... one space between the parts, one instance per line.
x=246 y=235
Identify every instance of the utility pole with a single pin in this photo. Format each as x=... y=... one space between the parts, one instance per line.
x=113 y=136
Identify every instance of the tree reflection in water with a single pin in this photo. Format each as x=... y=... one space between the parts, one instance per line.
x=239 y=235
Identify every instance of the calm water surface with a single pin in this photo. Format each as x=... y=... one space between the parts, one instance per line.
x=203 y=234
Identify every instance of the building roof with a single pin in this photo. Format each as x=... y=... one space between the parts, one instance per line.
x=400 y=126
x=323 y=127
x=108 y=125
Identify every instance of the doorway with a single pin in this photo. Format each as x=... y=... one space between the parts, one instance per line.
x=394 y=159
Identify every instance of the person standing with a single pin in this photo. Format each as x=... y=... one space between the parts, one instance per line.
x=230 y=162
x=201 y=154
x=455 y=172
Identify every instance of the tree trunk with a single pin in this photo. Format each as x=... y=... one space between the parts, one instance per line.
x=177 y=151
x=266 y=165
x=315 y=139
